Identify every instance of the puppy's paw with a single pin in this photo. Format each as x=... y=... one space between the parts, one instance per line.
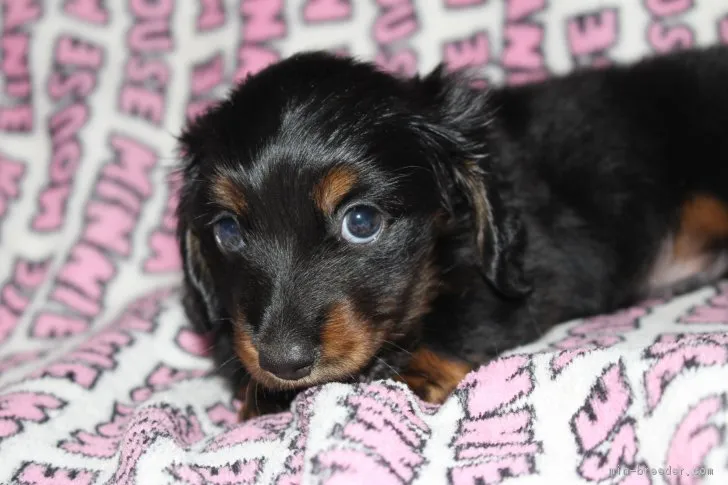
x=433 y=377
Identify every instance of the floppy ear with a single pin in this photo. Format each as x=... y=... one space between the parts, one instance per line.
x=198 y=293
x=198 y=297
x=458 y=121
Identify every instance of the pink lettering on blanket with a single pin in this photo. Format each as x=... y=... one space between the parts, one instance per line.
x=105 y=442
x=20 y=408
x=496 y=440
x=211 y=15
x=522 y=55
x=665 y=33
x=238 y=473
x=16 y=35
x=194 y=343
x=315 y=11
x=99 y=353
x=16 y=294
x=675 y=354
x=44 y=474
x=75 y=72
x=471 y=52
x=143 y=94
x=396 y=23
x=262 y=22
x=11 y=175
x=595 y=333
x=604 y=433
x=715 y=310
x=111 y=216
x=163 y=377
x=223 y=415
x=375 y=437
x=165 y=255
x=592 y=35
x=695 y=437
x=91 y=11
x=205 y=78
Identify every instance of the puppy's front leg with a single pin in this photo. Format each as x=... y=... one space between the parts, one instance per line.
x=432 y=376
x=258 y=401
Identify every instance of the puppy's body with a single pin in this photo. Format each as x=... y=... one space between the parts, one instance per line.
x=506 y=212
x=620 y=177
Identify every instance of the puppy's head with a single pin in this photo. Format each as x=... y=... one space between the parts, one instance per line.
x=313 y=203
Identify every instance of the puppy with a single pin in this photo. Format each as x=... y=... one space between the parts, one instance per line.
x=338 y=223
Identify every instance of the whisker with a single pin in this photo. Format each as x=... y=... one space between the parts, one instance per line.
x=397 y=346
x=226 y=362
x=390 y=367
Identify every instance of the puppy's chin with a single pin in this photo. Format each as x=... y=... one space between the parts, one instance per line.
x=318 y=376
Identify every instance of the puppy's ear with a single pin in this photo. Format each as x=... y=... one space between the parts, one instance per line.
x=198 y=298
x=458 y=119
x=198 y=293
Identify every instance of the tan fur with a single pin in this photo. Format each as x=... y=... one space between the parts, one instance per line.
x=227 y=194
x=348 y=342
x=332 y=188
x=691 y=251
x=433 y=377
x=703 y=221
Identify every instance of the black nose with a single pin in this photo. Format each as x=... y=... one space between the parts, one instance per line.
x=289 y=362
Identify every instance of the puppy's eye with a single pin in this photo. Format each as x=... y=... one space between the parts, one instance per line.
x=228 y=235
x=362 y=224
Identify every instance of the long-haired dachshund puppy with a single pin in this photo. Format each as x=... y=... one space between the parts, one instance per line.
x=338 y=223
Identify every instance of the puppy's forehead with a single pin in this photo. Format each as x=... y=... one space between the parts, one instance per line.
x=286 y=190
x=305 y=133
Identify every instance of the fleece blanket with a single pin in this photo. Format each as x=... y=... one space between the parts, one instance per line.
x=103 y=382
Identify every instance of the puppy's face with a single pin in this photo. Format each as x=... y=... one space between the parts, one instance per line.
x=312 y=207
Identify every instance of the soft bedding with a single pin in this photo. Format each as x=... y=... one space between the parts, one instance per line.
x=102 y=379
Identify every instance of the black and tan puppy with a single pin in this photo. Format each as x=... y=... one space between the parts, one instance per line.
x=341 y=224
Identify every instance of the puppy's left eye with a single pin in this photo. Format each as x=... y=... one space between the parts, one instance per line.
x=228 y=235
x=361 y=224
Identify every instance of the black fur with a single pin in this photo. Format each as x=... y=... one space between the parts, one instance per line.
x=538 y=204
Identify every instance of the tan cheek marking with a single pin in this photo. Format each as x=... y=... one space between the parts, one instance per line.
x=245 y=349
x=329 y=191
x=433 y=377
x=703 y=221
x=227 y=194
x=348 y=342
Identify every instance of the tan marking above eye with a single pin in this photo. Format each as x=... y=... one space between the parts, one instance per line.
x=226 y=193
x=333 y=187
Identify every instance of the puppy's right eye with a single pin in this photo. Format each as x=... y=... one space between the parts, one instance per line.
x=228 y=235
